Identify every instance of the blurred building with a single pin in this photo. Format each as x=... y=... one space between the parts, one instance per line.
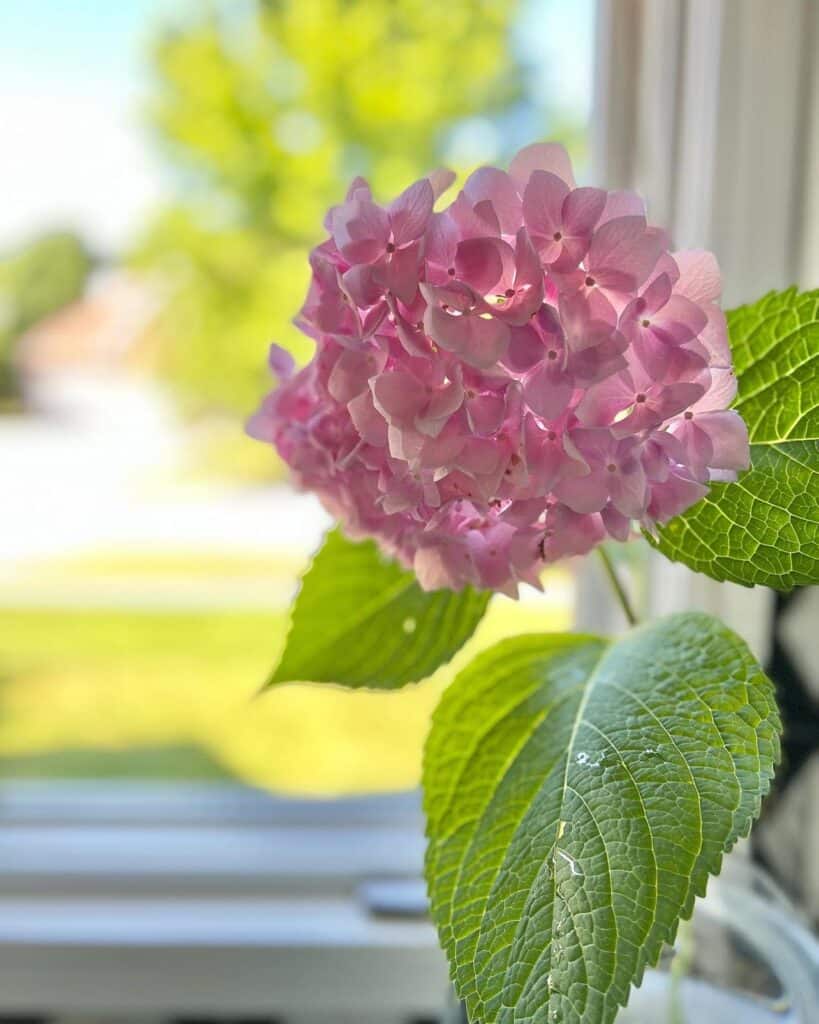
x=61 y=360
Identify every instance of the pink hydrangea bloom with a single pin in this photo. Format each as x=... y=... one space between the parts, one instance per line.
x=508 y=381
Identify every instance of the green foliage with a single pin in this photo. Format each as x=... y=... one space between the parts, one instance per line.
x=764 y=529
x=361 y=620
x=37 y=280
x=268 y=109
x=578 y=793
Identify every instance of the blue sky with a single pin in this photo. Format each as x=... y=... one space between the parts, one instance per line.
x=73 y=72
x=74 y=153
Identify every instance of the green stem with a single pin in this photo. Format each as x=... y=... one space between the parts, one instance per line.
x=622 y=596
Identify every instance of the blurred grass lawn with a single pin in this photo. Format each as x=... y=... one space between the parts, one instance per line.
x=147 y=694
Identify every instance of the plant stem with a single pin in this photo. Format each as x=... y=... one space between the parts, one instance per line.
x=622 y=596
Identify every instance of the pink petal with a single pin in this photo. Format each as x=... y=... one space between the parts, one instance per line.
x=570 y=534
x=490 y=184
x=617 y=525
x=478 y=340
x=720 y=393
x=369 y=423
x=440 y=180
x=359 y=189
x=582 y=209
x=410 y=212
x=443 y=449
x=602 y=356
x=541 y=156
x=398 y=396
x=586 y=318
x=601 y=402
x=655 y=296
x=443 y=402
x=456 y=296
x=372 y=319
x=441 y=564
x=586 y=493
x=714 y=338
x=281 y=363
x=479 y=457
x=473 y=220
x=485 y=412
x=399 y=272
x=700 y=278
x=442 y=239
x=729 y=437
x=528 y=270
x=679 y=320
x=525 y=349
x=547 y=389
x=351 y=372
x=543 y=200
x=480 y=262
x=263 y=424
x=361 y=283
x=360 y=230
x=623 y=253
x=629 y=493
x=622 y=204
x=677 y=494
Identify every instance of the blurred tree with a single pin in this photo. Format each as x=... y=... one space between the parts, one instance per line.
x=37 y=280
x=268 y=108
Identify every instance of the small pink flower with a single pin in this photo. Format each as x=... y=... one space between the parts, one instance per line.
x=508 y=381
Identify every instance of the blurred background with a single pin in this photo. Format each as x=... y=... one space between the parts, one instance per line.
x=167 y=165
x=169 y=847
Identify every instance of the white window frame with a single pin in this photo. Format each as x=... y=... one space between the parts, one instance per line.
x=710 y=108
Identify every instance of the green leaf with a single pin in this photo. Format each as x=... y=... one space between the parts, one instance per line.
x=764 y=529
x=361 y=620
x=578 y=794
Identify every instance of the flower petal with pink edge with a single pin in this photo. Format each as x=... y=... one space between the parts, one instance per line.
x=440 y=179
x=622 y=254
x=547 y=389
x=568 y=533
x=399 y=397
x=367 y=420
x=525 y=349
x=482 y=262
x=617 y=525
x=541 y=156
x=360 y=230
x=488 y=184
x=399 y=272
x=479 y=340
x=678 y=493
x=582 y=210
x=622 y=204
x=410 y=212
x=351 y=373
x=700 y=279
x=542 y=206
x=728 y=436
x=485 y=412
x=281 y=363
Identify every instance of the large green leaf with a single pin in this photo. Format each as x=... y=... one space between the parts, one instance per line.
x=764 y=529
x=361 y=620
x=578 y=794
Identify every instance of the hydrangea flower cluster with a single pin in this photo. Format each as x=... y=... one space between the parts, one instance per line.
x=508 y=381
